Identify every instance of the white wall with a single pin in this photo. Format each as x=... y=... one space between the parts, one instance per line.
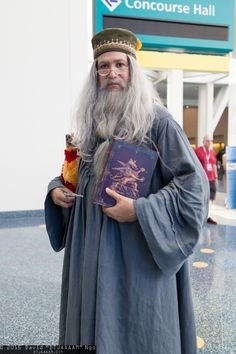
x=44 y=59
x=45 y=54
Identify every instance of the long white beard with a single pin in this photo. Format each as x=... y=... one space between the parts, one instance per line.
x=108 y=115
x=109 y=111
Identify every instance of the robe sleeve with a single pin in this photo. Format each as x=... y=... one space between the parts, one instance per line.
x=172 y=218
x=56 y=218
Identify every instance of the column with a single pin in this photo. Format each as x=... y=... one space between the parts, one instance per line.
x=175 y=94
x=232 y=104
x=205 y=110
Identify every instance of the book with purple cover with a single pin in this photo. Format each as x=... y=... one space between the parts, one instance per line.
x=128 y=171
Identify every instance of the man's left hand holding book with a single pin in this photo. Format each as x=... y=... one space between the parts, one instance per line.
x=123 y=211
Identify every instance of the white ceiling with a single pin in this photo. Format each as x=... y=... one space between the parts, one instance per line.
x=191 y=82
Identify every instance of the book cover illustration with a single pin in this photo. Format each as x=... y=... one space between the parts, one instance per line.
x=128 y=171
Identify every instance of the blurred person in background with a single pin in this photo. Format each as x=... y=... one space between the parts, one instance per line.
x=207 y=157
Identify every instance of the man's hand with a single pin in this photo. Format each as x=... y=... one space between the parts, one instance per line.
x=59 y=198
x=123 y=211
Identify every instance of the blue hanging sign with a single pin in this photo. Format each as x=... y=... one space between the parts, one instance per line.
x=231 y=176
x=197 y=26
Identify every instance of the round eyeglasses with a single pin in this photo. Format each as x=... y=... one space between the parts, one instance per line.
x=118 y=70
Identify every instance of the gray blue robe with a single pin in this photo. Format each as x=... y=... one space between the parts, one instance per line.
x=126 y=286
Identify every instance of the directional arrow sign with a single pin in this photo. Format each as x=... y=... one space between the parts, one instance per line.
x=111 y=4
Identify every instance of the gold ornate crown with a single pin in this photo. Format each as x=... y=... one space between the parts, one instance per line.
x=115 y=39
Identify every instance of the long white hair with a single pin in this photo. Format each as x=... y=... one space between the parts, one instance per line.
x=126 y=114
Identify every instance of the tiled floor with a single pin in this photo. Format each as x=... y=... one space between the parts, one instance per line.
x=30 y=275
x=30 y=278
x=214 y=289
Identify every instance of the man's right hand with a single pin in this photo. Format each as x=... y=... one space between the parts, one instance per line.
x=59 y=198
